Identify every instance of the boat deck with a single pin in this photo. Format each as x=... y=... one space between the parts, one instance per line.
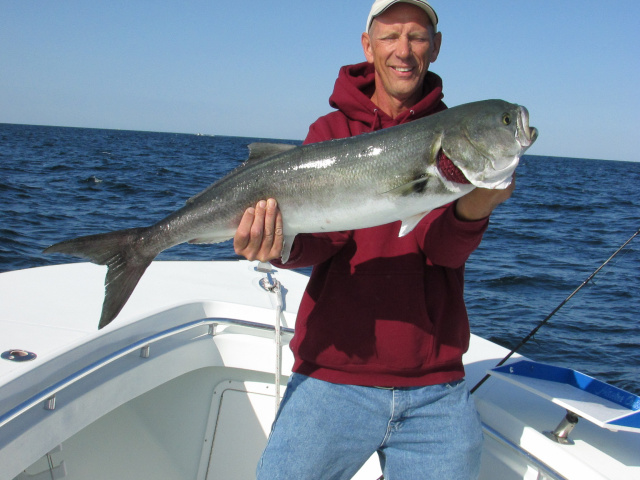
x=194 y=401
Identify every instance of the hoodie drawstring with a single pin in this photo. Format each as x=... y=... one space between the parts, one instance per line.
x=376 y=120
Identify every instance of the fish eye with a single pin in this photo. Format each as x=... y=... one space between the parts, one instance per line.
x=506 y=119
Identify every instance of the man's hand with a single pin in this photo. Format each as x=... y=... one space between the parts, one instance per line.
x=259 y=235
x=479 y=203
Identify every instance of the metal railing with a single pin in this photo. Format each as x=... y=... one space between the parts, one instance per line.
x=47 y=396
x=544 y=469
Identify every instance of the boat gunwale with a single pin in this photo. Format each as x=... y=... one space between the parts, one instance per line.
x=542 y=467
x=51 y=391
x=213 y=322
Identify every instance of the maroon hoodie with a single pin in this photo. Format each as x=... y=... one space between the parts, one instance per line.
x=380 y=310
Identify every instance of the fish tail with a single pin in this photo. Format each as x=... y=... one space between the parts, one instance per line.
x=126 y=256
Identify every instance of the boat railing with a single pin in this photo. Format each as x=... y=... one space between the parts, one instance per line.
x=544 y=470
x=48 y=395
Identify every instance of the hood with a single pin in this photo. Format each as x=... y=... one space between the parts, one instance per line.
x=352 y=96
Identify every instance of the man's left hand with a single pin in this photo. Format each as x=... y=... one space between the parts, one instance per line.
x=479 y=203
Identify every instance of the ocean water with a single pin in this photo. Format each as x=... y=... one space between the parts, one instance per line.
x=566 y=217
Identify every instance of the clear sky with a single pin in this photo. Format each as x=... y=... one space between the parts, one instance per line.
x=266 y=69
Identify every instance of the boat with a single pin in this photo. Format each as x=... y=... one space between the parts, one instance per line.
x=185 y=383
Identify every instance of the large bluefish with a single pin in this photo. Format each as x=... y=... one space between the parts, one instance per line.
x=400 y=173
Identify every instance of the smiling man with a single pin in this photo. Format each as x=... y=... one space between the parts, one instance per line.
x=400 y=43
x=382 y=325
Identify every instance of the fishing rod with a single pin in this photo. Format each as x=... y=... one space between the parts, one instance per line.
x=543 y=322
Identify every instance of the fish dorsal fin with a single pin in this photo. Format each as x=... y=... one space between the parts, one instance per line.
x=410 y=223
x=257 y=151
x=260 y=151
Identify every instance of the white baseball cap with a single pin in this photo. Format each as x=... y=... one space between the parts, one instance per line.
x=379 y=6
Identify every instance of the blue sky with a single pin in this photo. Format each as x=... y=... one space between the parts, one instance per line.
x=266 y=69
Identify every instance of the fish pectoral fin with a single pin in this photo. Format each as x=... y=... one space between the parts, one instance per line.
x=260 y=151
x=410 y=223
x=286 y=247
x=414 y=186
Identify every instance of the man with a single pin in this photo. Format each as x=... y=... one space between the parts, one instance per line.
x=382 y=325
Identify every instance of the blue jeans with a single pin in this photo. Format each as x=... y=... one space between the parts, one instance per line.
x=326 y=431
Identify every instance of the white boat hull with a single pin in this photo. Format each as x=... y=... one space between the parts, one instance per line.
x=180 y=386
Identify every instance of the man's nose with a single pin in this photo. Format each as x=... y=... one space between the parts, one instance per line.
x=403 y=47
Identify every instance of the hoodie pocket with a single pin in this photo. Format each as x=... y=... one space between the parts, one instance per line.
x=370 y=320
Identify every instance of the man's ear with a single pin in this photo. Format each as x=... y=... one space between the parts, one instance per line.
x=437 y=43
x=366 y=47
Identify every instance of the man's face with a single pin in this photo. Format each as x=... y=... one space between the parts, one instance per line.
x=401 y=46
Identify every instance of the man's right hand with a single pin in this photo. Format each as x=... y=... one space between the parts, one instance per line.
x=259 y=235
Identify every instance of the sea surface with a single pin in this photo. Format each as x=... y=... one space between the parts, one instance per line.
x=566 y=217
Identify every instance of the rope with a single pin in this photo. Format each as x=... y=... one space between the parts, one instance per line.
x=272 y=285
x=278 y=335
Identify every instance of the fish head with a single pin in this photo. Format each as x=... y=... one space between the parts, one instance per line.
x=483 y=142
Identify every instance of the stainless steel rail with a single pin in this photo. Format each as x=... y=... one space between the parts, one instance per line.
x=543 y=468
x=47 y=396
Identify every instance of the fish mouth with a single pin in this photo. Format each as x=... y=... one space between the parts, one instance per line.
x=449 y=171
x=525 y=134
